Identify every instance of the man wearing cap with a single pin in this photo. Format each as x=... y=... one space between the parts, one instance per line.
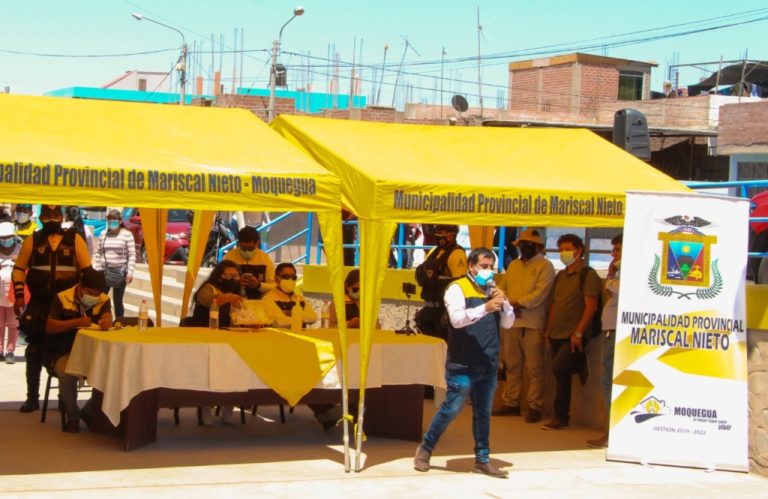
x=79 y=306
x=25 y=225
x=443 y=264
x=49 y=262
x=528 y=284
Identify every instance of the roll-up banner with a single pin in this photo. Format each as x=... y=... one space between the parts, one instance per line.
x=680 y=371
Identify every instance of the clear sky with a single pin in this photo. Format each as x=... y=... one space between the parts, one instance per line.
x=509 y=27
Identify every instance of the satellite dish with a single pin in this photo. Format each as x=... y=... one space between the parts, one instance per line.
x=459 y=103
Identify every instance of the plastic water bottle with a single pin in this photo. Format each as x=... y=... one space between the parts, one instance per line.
x=213 y=315
x=325 y=315
x=143 y=315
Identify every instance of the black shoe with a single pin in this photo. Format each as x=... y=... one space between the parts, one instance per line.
x=490 y=470
x=507 y=410
x=533 y=416
x=556 y=424
x=72 y=426
x=421 y=460
x=30 y=405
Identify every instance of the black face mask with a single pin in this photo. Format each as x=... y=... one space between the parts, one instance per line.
x=51 y=227
x=528 y=250
x=229 y=285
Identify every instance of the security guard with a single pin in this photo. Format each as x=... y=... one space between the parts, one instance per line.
x=49 y=261
x=443 y=264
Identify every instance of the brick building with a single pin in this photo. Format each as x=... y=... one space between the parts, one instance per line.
x=743 y=135
x=576 y=83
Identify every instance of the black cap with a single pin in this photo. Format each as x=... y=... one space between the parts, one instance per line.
x=50 y=210
x=92 y=279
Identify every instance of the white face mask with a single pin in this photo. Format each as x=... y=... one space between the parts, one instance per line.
x=287 y=285
x=247 y=254
x=89 y=300
x=355 y=295
x=567 y=257
x=22 y=218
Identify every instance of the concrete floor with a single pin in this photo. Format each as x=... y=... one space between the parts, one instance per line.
x=266 y=459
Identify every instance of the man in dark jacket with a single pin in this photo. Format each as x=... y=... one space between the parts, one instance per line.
x=476 y=308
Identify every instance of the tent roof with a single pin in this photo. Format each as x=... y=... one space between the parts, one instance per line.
x=109 y=144
x=484 y=176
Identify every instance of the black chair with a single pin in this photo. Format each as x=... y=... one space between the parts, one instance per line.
x=48 y=385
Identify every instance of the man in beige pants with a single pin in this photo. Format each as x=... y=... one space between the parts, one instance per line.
x=528 y=283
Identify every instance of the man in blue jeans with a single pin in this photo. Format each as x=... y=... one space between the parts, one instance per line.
x=476 y=308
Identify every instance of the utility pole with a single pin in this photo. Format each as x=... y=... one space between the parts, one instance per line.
x=298 y=11
x=381 y=80
x=183 y=74
x=400 y=68
x=479 y=81
x=273 y=81
x=442 y=65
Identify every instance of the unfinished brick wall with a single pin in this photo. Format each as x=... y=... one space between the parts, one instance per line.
x=256 y=103
x=687 y=112
x=743 y=128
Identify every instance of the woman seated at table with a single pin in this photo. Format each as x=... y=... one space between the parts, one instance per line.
x=279 y=303
x=351 y=301
x=223 y=285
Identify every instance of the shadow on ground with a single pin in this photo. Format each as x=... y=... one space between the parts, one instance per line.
x=31 y=447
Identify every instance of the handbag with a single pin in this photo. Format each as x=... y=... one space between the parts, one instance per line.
x=114 y=277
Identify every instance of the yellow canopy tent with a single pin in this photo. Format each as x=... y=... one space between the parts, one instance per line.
x=394 y=173
x=156 y=157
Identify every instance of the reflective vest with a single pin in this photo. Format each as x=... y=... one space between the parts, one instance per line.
x=52 y=271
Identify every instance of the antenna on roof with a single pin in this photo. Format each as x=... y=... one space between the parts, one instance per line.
x=408 y=45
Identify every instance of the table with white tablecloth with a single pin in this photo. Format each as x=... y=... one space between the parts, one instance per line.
x=134 y=373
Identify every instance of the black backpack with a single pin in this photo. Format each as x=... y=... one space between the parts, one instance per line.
x=428 y=273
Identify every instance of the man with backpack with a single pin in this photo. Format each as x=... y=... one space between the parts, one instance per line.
x=575 y=297
x=443 y=264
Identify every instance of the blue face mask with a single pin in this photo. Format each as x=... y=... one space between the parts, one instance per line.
x=484 y=276
x=7 y=242
x=113 y=224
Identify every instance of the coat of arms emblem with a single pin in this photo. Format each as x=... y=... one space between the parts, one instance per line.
x=686 y=261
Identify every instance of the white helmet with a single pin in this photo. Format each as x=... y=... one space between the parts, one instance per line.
x=7 y=229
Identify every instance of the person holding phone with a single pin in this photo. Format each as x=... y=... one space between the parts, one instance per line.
x=256 y=269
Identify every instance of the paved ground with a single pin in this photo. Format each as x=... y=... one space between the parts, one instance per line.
x=264 y=458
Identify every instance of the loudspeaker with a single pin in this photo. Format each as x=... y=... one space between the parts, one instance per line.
x=630 y=132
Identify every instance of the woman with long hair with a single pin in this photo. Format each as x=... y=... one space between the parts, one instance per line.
x=115 y=254
x=223 y=285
